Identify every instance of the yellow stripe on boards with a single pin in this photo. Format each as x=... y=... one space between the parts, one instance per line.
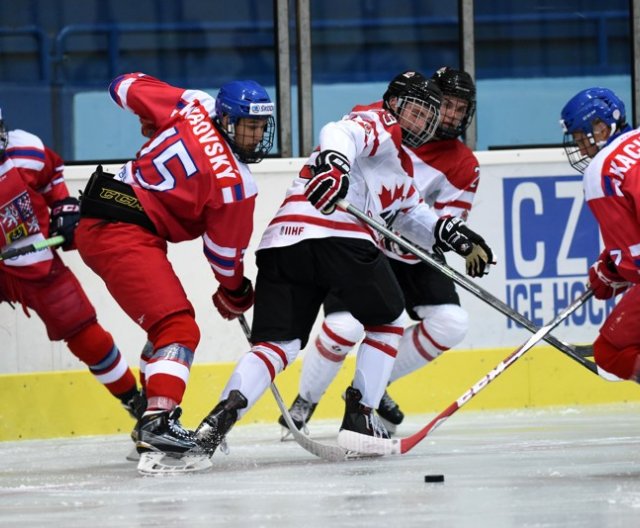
x=73 y=403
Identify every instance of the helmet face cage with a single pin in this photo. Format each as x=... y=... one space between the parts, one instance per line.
x=418 y=119
x=238 y=100
x=417 y=107
x=4 y=138
x=459 y=101
x=581 y=114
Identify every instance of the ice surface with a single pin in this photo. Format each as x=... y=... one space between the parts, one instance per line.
x=577 y=467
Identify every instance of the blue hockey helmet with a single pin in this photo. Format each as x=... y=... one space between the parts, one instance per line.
x=245 y=99
x=583 y=111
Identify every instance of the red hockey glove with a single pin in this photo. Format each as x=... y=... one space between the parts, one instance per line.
x=232 y=303
x=330 y=181
x=453 y=233
x=604 y=279
x=65 y=215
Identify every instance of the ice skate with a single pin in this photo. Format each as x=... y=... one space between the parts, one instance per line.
x=165 y=447
x=361 y=427
x=301 y=411
x=214 y=428
x=135 y=405
x=389 y=413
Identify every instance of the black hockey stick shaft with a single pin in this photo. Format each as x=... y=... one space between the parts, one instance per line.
x=31 y=248
x=467 y=284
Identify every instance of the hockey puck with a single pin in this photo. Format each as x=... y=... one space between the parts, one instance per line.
x=434 y=478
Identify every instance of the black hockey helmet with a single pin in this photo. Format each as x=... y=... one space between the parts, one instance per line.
x=413 y=88
x=455 y=84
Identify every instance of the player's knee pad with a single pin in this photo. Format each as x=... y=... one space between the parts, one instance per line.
x=277 y=355
x=389 y=333
x=446 y=324
x=340 y=332
x=179 y=327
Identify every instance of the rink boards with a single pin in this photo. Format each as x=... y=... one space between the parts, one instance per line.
x=529 y=208
x=60 y=404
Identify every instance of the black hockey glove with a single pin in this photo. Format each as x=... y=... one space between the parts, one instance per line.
x=65 y=215
x=453 y=233
x=330 y=181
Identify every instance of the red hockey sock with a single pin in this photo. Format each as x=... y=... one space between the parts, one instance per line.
x=94 y=346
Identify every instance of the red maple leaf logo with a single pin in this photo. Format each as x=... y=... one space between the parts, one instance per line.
x=387 y=197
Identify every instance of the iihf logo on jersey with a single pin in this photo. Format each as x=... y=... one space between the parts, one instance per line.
x=289 y=230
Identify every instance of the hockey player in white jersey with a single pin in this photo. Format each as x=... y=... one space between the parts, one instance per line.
x=311 y=248
x=446 y=174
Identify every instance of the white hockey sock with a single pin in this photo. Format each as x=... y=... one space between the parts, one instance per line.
x=376 y=356
x=340 y=332
x=443 y=327
x=257 y=369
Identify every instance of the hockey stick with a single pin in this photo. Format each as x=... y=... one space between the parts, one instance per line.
x=324 y=451
x=36 y=246
x=399 y=446
x=482 y=294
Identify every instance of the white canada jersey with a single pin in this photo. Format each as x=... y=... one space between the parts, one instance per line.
x=380 y=184
x=446 y=174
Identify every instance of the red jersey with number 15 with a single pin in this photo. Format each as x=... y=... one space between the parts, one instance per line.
x=186 y=176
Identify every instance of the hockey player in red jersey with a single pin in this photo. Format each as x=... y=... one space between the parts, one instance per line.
x=600 y=144
x=446 y=174
x=191 y=179
x=35 y=204
x=311 y=248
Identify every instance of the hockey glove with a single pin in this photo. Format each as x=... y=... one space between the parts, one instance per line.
x=329 y=181
x=232 y=303
x=604 y=279
x=453 y=233
x=65 y=215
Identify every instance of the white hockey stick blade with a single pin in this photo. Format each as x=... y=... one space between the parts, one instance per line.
x=331 y=453
x=368 y=446
x=158 y=463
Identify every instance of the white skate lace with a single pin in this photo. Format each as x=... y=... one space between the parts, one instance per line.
x=376 y=426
